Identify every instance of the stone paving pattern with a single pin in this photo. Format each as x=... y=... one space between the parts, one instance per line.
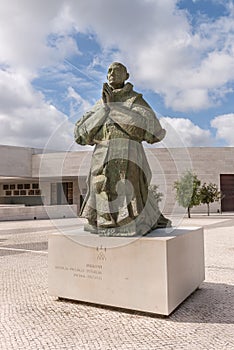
x=31 y=319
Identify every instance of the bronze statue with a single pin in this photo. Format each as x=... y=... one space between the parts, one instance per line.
x=118 y=201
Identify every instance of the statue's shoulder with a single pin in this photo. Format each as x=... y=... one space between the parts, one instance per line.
x=131 y=94
x=98 y=104
x=139 y=100
x=128 y=90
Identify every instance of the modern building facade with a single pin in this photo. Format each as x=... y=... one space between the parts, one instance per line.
x=30 y=178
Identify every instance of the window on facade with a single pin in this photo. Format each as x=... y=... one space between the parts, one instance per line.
x=21 y=189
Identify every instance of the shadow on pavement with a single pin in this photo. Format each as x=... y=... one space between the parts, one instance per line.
x=35 y=246
x=9 y=252
x=212 y=303
x=226 y=223
x=12 y=249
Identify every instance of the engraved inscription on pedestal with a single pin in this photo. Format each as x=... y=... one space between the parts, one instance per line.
x=86 y=270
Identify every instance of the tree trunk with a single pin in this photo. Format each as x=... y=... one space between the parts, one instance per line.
x=189 y=216
x=208 y=209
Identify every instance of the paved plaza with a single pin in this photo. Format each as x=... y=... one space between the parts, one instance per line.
x=31 y=319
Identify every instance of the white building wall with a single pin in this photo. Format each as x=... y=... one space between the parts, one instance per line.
x=15 y=161
x=45 y=187
x=167 y=166
x=61 y=164
x=206 y=162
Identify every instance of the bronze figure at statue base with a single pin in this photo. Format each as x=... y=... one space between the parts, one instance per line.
x=130 y=230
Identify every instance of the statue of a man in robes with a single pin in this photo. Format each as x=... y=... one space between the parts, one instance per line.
x=118 y=201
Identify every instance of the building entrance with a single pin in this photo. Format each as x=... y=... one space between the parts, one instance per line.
x=62 y=193
x=227 y=189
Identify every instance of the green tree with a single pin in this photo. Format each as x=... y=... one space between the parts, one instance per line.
x=187 y=191
x=157 y=195
x=209 y=194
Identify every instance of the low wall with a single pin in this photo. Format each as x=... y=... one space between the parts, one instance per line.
x=37 y=212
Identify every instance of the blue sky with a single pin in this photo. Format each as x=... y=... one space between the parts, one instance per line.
x=54 y=57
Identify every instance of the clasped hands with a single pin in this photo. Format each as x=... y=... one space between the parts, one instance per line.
x=107 y=94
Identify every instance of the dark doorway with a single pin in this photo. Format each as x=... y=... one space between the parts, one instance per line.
x=227 y=189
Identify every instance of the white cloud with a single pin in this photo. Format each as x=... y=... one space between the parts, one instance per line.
x=15 y=91
x=25 y=28
x=187 y=65
x=163 y=52
x=188 y=99
x=26 y=119
x=78 y=105
x=191 y=67
x=29 y=42
x=181 y=132
x=225 y=127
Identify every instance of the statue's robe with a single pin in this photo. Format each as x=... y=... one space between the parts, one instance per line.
x=119 y=176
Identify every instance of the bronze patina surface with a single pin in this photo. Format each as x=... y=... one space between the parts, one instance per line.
x=118 y=201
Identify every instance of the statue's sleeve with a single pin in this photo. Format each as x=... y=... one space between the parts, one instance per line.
x=153 y=129
x=129 y=121
x=138 y=120
x=87 y=127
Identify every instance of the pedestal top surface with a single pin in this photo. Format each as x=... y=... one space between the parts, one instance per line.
x=85 y=238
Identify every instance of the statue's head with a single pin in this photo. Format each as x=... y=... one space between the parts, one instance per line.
x=117 y=74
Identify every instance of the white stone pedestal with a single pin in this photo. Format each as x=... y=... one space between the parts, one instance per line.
x=153 y=274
